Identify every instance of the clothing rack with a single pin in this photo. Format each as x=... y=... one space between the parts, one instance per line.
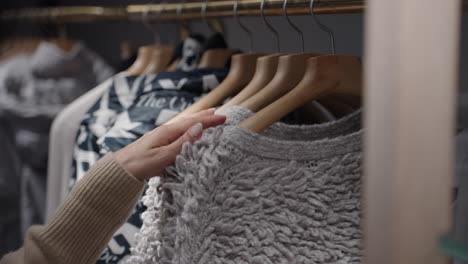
x=411 y=83
x=177 y=11
x=180 y=11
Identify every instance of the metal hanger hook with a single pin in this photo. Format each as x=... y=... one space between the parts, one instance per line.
x=162 y=7
x=145 y=20
x=242 y=26
x=323 y=27
x=182 y=22
x=180 y=7
x=294 y=27
x=203 y=14
x=270 y=28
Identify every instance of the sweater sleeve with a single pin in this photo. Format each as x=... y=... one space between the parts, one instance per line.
x=95 y=208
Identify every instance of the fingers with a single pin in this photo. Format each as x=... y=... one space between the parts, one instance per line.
x=149 y=155
x=167 y=134
x=206 y=112
x=191 y=135
x=207 y=121
x=181 y=117
x=192 y=130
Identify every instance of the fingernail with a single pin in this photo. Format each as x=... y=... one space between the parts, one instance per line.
x=196 y=130
x=212 y=109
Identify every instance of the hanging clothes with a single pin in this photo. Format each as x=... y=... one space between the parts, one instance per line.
x=254 y=199
x=163 y=96
x=155 y=102
x=33 y=89
x=132 y=106
x=61 y=144
x=122 y=109
x=226 y=198
x=121 y=95
x=66 y=125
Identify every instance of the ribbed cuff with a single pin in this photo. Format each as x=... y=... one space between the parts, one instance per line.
x=95 y=208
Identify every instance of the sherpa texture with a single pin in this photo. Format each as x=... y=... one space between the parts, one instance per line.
x=185 y=211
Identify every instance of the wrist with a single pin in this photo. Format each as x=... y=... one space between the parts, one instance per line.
x=129 y=164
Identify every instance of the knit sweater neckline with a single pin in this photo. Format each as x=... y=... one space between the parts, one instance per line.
x=267 y=147
x=156 y=238
x=303 y=132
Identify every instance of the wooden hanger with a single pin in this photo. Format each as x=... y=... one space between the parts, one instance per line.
x=289 y=72
x=173 y=66
x=142 y=60
x=337 y=106
x=325 y=75
x=241 y=72
x=126 y=50
x=64 y=44
x=264 y=72
x=145 y=53
x=215 y=58
x=160 y=57
x=288 y=75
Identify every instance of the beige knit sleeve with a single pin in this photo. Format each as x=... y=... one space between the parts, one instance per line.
x=96 y=207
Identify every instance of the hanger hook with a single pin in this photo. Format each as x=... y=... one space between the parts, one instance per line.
x=294 y=27
x=203 y=14
x=270 y=28
x=323 y=27
x=180 y=7
x=182 y=22
x=162 y=7
x=242 y=26
x=145 y=20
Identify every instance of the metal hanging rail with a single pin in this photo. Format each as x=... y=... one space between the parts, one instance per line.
x=168 y=11
x=219 y=9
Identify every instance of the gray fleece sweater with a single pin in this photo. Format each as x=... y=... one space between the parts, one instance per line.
x=289 y=195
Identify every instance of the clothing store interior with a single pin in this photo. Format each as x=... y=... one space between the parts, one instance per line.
x=344 y=139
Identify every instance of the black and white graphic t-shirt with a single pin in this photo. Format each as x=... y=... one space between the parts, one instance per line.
x=122 y=92
x=161 y=99
x=132 y=106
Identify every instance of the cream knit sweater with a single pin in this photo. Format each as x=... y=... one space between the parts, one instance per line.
x=239 y=197
x=86 y=220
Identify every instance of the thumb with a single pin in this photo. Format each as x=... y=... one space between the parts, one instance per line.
x=193 y=134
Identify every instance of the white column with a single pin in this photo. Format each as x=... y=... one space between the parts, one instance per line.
x=411 y=79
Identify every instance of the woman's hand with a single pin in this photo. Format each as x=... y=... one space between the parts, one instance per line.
x=157 y=149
